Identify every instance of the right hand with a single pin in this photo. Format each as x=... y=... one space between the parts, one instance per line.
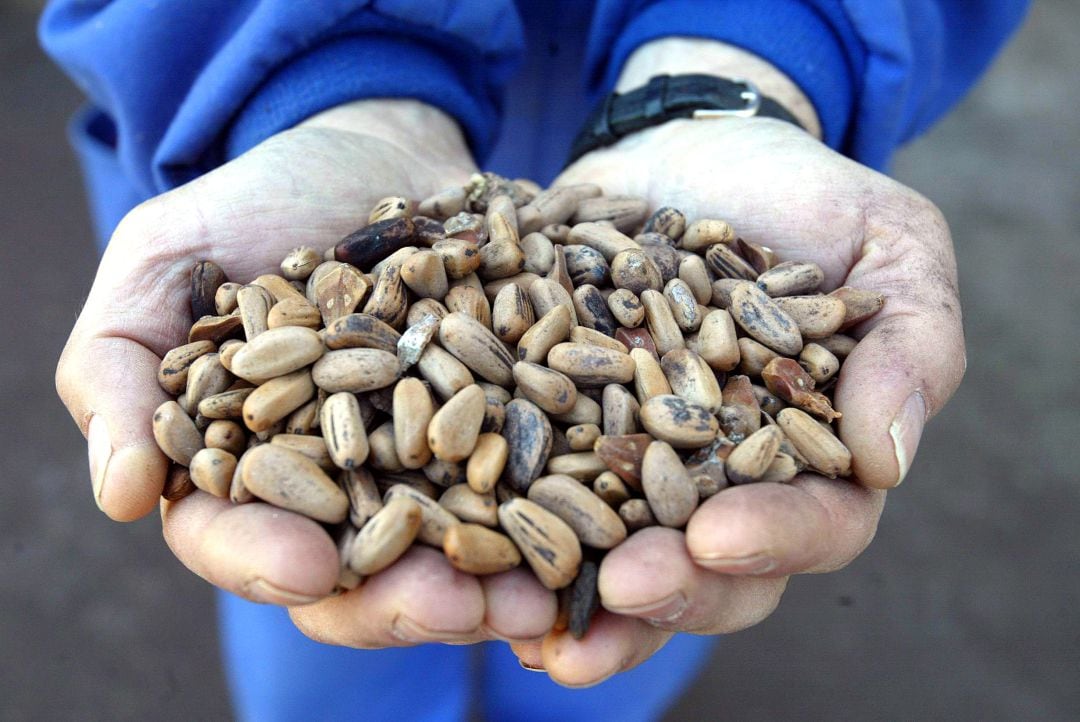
x=307 y=186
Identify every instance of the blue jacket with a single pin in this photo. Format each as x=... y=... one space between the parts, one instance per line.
x=178 y=87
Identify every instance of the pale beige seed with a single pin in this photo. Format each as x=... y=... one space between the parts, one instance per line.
x=425 y=275
x=548 y=543
x=226 y=405
x=413 y=409
x=545 y=294
x=782 y=469
x=291 y=481
x=276 y=399
x=816 y=316
x=634 y=271
x=471 y=506
x=749 y=460
x=338 y=291
x=594 y=522
x=343 y=430
x=276 y=352
x=293 y=312
x=225 y=298
x=321 y=270
x=389 y=300
x=624 y=212
x=671 y=493
x=539 y=253
x=444 y=204
x=385 y=537
x=675 y=420
x=206 y=377
x=501 y=219
x=764 y=319
x=475 y=549
x=560 y=272
x=819 y=362
x=444 y=473
x=511 y=313
x=254 y=303
x=620 y=411
x=347 y=579
x=581 y=465
x=305 y=419
x=470 y=281
x=721 y=291
x=754 y=357
x=227 y=436
x=313 y=447
x=477 y=347
x=173 y=370
x=816 y=442
x=278 y=288
x=684 y=306
x=582 y=437
x=435 y=520
x=791 y=278
x=703 y=233
x=552 y=328
x=355 y=370
x=608 y=241
x=175 y=433
x=649 y=378
x=300 y=262
x=382 y=452
x=626 y=307
x=394 y=260
x=460 y=258
x=661 y=322
x=453 y=430
x=487 y=462
x=238 y=493
x=443 y=371
x=228 y=350
x=389 y=208
x=585 y=411
x=500 y=259
x=694 y=273
x=691 y=378
x=838 y=345
x=590 y=366
x=552 y=391
x=523 y=279
x=580 y=334
x=636 y=514
x=554 y=206
x=214 y=328
x=212 y=471
x=470 y=301
x=364 y=498
x=718 y=341
x=859 y=304
x=609 y=487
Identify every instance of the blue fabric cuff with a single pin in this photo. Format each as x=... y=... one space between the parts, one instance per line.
x=789 y=34
x=367 y=66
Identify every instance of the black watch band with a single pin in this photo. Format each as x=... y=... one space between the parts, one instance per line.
x=666 y=97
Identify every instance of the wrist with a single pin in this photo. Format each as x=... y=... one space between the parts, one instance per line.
x=412 y=125
x=676 y=56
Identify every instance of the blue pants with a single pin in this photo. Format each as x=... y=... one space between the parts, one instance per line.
x=276 y=673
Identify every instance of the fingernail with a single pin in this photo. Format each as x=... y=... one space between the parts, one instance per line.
x=263 y=591
x=409 y=631
x=668 y=609
x=906 y=429
x=530 y=667
x=99 y=451
x=750 y=565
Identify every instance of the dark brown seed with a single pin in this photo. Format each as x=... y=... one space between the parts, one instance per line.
x=528 y=434
x=584 y=599
x=586 y=265
x=667 y=220
x=178 y=483
x=623 y=455
x=369 y=245
x=725 y=263
x=592 y=310
x=206 y=277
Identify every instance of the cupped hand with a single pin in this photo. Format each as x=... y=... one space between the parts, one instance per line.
x=780 y=187
x=308 y=186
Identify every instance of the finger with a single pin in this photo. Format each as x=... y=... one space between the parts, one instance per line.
x=911 y=357
x=421 y=598
x=255 y=550
x=517 y=606
x=530 y=654
x=651 y=576
x=613 y=644
x=812 y=524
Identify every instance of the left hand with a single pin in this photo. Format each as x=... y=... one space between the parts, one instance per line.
x=780 y=187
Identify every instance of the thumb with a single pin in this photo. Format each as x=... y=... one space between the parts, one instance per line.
x=911 y=358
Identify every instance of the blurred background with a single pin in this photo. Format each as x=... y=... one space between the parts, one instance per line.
x=967 y=606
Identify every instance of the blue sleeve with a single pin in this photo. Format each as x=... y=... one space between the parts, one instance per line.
x=179 y=86
x=879 y=72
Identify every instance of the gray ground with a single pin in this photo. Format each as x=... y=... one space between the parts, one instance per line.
x=964 y=608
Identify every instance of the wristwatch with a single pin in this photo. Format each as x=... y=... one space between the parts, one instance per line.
x=666 y=97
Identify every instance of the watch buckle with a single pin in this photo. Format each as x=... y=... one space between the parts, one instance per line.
x=751 y=95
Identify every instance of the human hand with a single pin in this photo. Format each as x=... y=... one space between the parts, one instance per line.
x=780 y=187
x=308 y=186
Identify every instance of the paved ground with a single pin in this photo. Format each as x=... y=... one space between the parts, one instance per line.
x=964 y=608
